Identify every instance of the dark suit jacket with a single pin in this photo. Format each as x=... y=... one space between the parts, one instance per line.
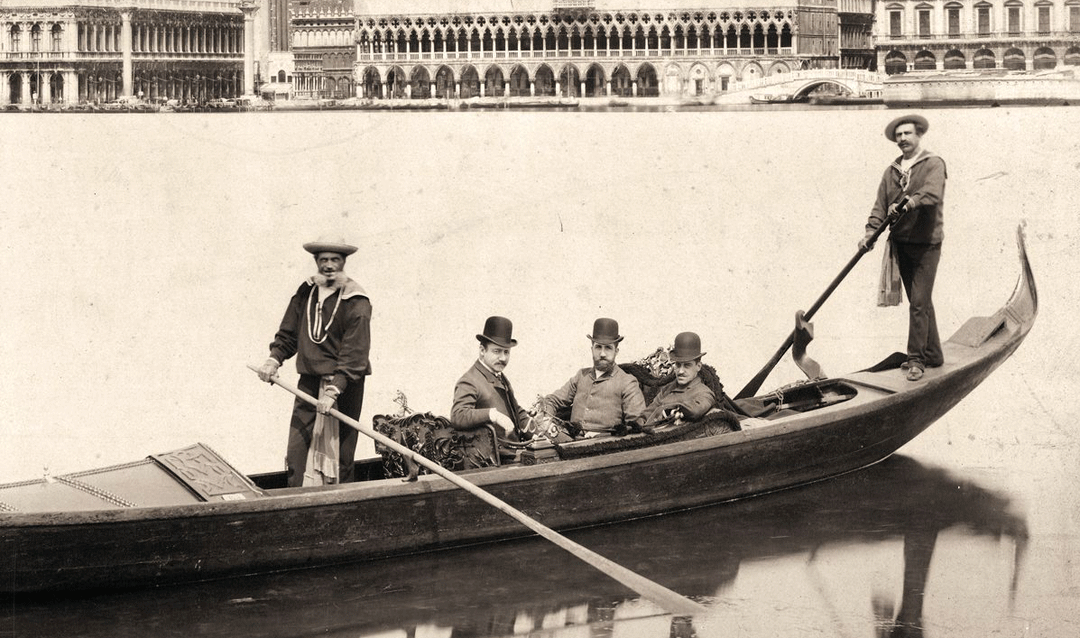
x=476 y=392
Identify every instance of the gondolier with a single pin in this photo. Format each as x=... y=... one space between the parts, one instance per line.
x=917 y=177
x=327 y=325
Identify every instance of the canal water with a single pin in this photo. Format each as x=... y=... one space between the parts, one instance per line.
x=147 y=258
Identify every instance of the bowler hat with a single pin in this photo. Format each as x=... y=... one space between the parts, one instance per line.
x=919 y=121
x=497 y=330
x=687 y=347
x=605 y=331
x=330 y=244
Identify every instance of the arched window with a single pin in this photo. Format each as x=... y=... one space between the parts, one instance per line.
x=925 y=61
x=57 y=37
x=1072 y=56
x=1044 y=58
x=984 y=59
x=895 y=62
x=1014 y=60
x=954 y=59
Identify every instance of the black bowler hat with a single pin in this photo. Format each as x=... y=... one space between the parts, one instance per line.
x=497 y=330
x=687 y=347
x=605 y=331
x=921 y=125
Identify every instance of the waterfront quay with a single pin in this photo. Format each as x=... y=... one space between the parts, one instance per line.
x=58 y=53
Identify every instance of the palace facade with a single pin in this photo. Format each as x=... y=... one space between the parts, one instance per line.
x=70 y=51
x=587 y=48
x=913 y=35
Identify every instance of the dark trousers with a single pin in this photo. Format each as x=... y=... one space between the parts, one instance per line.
x=918 y=269
x=302 y=427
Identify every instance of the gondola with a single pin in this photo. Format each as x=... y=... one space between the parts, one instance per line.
x=189 y=515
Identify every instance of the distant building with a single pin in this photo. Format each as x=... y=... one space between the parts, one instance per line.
x=856 y=18
x=977 y=34
x=98 y=50
x=570 y=48
x=323 y=40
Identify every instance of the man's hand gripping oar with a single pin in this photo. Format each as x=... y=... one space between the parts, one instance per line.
x=669 y=600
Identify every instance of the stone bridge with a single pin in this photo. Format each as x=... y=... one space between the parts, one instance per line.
x=798 y=84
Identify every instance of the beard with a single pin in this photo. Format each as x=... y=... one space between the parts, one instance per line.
x=330 y=280
x=603 y=365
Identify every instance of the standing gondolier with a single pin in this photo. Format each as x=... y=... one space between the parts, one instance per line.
x=916 y=178
x=327 y=325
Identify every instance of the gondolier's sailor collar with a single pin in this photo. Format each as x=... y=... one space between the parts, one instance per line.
x=923 y=154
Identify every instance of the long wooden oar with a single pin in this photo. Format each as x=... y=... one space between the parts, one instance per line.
x=655 y=592
x=754 y=384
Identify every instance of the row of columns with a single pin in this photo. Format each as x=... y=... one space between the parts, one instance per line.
x=622 y=51
x=93 y=37
x=383 y=90
x=152 y=38
x=71 y=87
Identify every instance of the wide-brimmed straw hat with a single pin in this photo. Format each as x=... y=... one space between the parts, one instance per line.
x=918 y=120
x=330 y=244
x=498 y=330
x=687 y=347
x=605 y=331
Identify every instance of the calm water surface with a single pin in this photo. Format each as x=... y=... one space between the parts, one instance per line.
x=147 y=259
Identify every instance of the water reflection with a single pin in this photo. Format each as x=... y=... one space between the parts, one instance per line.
x=530 y=587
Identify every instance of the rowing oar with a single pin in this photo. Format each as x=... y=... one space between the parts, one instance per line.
x=754 y=385
x=669 y=600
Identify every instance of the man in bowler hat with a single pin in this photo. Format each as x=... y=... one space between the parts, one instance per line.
x=686 y=398
x=912 y=191
x=603 y=399
x=327 y=325
x=483 y=395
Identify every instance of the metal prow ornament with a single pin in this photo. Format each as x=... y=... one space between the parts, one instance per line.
x=804 y=334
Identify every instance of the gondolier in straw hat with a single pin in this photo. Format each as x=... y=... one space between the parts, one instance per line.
x=327 y=325
x=483 y=395
x=686 y=398
x=602 y=399
x=912 y=191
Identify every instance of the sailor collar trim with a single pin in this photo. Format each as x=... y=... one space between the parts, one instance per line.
x=348 y=289
x=923 y=154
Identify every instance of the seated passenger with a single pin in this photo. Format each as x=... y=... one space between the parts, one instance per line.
x=602 y=399
x=483 y=395
x=686 y=398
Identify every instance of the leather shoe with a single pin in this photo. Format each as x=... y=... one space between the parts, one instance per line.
x=915 y=372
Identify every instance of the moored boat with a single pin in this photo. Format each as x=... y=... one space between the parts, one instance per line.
x=189 y=515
